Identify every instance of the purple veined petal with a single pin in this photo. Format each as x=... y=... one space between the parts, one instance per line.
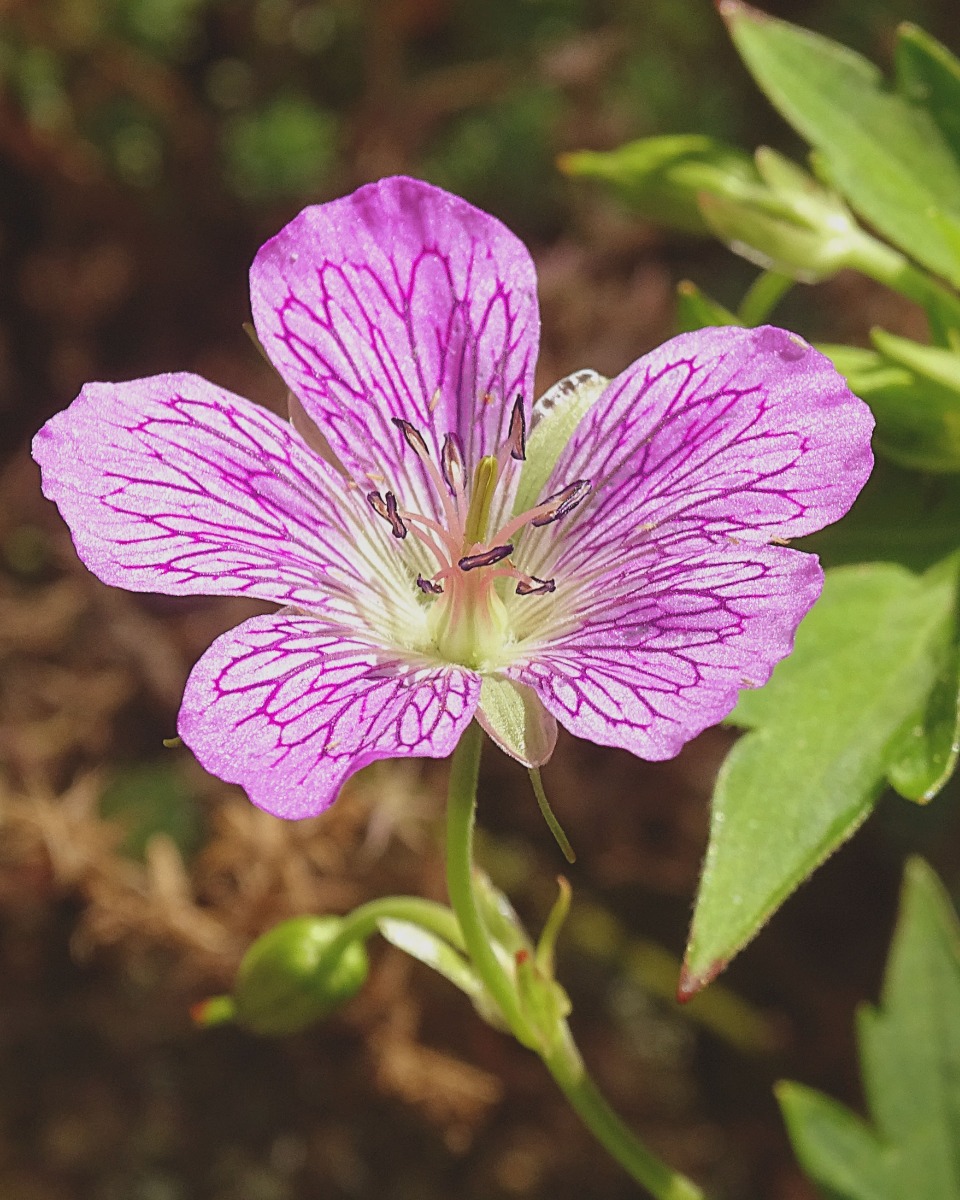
x=289 y=710
x=656 y=655
x=400 y=301
x=170 y=484
x=742 y=433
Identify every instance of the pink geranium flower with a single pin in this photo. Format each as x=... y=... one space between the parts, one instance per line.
x=441 y=548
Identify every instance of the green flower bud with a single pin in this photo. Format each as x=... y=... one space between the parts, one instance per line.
x=788 y=223
x=661 y=178
x=287 y=980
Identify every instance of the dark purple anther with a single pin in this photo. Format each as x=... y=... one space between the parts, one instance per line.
x=485 y=559
x=517 y=437
x=563 y=501
x=535 y=586
x=412 y=437
x=451 y=463
x=428 y=586
x=388 y=510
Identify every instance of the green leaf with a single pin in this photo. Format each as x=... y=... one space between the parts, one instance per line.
x=697 y=310
x=824 y=734
x=660 y=178
x=910 y=1058
x=884 y=154
x=914 y=392
x=929 y=75
x=924 y=756
x=910 y=1046
x=555 y=416
x=836 y=1148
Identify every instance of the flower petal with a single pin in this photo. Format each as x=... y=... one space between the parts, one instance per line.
x=659 y=653
x=749 y=434
x=399 y=301
x=288 y=711
x=172 y=485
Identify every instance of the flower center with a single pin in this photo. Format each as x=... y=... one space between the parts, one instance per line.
x=468 y=620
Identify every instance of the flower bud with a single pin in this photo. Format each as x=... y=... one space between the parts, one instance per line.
x=788 y=222
x=288 y=980
x=662 y=178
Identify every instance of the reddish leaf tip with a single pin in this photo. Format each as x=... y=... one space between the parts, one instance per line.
x=690 y=984
x=731 y=9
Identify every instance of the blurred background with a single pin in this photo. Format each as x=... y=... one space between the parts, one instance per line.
x=147 y=148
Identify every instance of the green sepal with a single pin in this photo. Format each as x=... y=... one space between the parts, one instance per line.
x=514 y=717
x=555 y=416
x=886 y=156
x=790 y=223
x=432 y=951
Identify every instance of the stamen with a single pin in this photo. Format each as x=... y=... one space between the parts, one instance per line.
x=532 y=586
x=388 y=510
x=412 y=437
x=451 y=464
x=419 y=523
x=486 y=558
x=547 y=511
x=428 y=586
x=517 y=437
x=562 y=502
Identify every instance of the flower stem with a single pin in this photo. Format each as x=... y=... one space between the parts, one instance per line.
x=566 y=1066
x=461 y=816
x=559 y=1052
x=762 y=297
x=360 y=924
x=881 y=262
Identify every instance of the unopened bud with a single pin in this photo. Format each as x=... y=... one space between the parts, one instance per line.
x=662 y=178
x=290 y=978
x=789 y=223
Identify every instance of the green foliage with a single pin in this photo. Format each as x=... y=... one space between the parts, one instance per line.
x=884 y=153
x=696 y=310
x=869 y=694
x=929 y=75
x=900 y=516
x=910 y=1056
